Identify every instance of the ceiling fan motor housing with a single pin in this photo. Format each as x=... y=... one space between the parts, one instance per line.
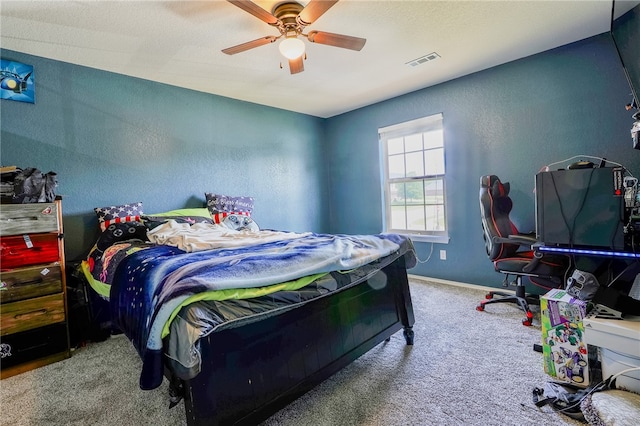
x=287 y=13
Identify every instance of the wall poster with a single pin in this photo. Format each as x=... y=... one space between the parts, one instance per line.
x=17 y=81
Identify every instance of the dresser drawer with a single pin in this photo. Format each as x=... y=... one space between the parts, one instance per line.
x=33 y=281
x=17 y=219
x=28 y=249
x=28 y=314
x=31 y=345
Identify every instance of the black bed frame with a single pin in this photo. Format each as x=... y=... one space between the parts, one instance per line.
x=252 y=371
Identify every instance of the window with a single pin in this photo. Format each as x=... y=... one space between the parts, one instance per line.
x=414 y=178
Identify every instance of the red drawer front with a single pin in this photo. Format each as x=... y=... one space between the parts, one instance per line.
x=24 y=250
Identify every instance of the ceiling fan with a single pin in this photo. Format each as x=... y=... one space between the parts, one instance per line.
x=290 y=18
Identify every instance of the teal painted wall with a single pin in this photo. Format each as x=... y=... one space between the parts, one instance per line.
x=114 y=139
x=510 y=120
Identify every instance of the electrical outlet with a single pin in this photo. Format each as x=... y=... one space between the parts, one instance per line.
x=443 y=255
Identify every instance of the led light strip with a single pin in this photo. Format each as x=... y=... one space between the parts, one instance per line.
x=589 y=252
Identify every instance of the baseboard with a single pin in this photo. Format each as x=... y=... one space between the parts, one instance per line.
x=458 y=283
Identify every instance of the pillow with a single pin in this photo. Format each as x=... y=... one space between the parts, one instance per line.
x=221 y=206
x=200 y=212
x=117 y=214
x=152 y=221
x=240 y=222
x=118 y=232
x=113 y=245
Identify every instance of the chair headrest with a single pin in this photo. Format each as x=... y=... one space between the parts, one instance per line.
x=499 y=189
x=495 y=186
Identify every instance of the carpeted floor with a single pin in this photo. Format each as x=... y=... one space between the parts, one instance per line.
x=465 y=368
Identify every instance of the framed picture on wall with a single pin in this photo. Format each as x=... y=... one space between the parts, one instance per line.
x=17 y=81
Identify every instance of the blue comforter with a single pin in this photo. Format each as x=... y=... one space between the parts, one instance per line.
x=150 y=284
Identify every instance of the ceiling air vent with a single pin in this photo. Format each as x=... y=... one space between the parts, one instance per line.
x=421 y=60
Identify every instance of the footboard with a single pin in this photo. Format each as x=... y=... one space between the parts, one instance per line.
x=252 y=371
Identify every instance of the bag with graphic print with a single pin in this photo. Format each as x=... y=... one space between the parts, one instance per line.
x=32 y=186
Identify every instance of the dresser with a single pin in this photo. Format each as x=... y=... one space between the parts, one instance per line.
x=33 y=312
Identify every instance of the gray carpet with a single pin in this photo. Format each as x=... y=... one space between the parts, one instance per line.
x=466 y=368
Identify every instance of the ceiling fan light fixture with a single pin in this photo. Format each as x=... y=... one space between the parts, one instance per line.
x=291 y=47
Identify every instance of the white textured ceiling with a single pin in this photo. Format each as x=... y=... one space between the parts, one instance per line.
x=180 y=43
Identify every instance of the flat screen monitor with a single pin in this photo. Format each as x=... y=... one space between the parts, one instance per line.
x=581 y=208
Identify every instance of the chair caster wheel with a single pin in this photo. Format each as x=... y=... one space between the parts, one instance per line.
x=527 y=322
x=488 y=296
x=480 y=308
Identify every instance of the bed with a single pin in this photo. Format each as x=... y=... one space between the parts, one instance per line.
x=242 y=321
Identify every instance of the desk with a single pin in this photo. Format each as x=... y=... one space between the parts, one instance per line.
x=590 y=252
x=604 y=263
x=615 y=269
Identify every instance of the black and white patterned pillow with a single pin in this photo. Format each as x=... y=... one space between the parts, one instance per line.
x=118 y=232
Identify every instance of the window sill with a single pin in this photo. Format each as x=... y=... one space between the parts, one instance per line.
x=438 y=239
x=420 y=238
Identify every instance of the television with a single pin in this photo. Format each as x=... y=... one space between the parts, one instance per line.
x=581 y=208
x=625 y=32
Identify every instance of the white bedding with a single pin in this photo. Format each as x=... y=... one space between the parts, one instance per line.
x=203 y=236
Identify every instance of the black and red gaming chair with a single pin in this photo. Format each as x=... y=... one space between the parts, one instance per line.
x=513 y=253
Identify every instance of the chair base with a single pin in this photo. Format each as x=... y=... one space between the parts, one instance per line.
x=522 y=299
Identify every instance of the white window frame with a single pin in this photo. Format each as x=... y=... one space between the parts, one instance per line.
x=418 y=126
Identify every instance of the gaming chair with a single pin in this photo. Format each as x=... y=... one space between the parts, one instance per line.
x=513 y=253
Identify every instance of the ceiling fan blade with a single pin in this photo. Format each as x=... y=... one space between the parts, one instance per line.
x=337 y=40
x=296 y=65
x=314 y=10
x=249 y=45
x=257 y=11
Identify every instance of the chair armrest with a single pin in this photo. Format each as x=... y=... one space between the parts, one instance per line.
x=519 y=239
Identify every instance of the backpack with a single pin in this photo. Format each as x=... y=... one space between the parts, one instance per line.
x=32 y=186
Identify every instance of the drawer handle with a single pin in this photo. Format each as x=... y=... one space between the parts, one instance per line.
x=20 y=219
x=32 y=313
x=20 y=251
x=34 y=281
